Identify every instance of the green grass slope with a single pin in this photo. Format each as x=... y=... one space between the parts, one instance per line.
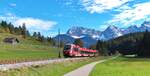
x=27 y=50
x=123 y=67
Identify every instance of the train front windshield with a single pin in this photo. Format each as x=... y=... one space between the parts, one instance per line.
x=67 y=47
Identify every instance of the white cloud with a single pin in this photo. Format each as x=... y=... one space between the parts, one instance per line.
x=133 y=14
x=33 y=24
x=100 y=6
x=124 y=7
x=36 y=24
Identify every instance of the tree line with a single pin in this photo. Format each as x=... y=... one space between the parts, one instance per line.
x=24 y=33
x=129 y=44
x=133 y=43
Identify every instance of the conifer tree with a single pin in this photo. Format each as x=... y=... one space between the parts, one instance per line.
x=35 y=35
x=24 y=31
x=101 y=47
x=144 y=46
x=79 y=42
x=11 y=28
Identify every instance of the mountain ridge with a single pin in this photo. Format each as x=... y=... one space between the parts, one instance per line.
x=92 y=35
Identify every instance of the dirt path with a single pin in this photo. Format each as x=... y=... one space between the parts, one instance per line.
x=85 y=70
x=5 y=67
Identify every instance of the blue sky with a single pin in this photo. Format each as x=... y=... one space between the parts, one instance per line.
x=47 y=16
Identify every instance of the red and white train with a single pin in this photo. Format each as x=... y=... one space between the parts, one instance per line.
x=71 y=50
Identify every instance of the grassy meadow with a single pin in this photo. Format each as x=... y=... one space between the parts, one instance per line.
x=123 y=67
x=26 y=50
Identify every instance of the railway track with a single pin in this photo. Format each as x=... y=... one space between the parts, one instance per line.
x=5 y=67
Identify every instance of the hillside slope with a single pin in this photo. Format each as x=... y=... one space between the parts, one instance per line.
x=27 y=49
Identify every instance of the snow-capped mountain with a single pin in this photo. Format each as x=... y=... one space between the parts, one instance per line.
x=88 y=36
x=131 y=29
x=80 y=32
x=111 y=32
x=64 y=38
x=145 y=26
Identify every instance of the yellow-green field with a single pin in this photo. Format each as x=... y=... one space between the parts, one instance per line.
x=123 y=67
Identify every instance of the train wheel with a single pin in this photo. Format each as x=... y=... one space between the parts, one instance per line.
x=65 y=56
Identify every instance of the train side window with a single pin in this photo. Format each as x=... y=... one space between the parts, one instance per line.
x=67 y=47
x=82 y=52
x=76 y=49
